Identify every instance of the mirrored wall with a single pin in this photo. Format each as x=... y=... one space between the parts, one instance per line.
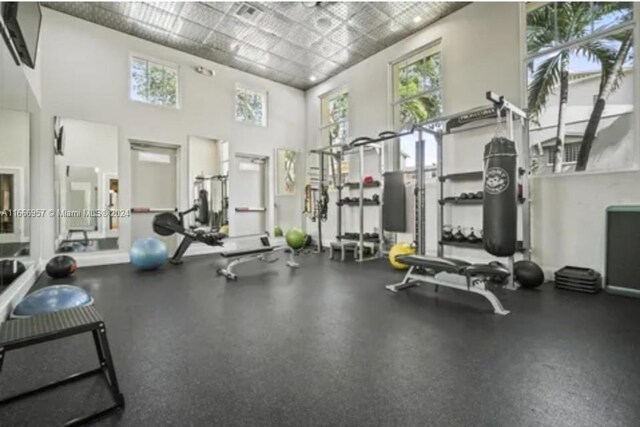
x=208 y=180
x=19 y=118
x=86 y=186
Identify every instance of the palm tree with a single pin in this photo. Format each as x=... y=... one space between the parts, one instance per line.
x=609 y=82
x=414 y=79
x=554 y=24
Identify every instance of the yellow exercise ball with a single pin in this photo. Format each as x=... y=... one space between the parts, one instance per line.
x=400 y=249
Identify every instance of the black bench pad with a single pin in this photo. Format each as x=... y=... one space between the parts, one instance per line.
x=243 y=252
x=453 y=265
x=19 y=332
x=449 y=265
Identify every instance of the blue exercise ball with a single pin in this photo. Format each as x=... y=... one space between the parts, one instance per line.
x=52 y=299
x=148 y=253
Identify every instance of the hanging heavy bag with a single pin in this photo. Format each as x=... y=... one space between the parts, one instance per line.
x=499 y=207
x=203 y=207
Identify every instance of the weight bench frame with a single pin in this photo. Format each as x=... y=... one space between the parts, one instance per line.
x=473 y=283
x=19 y=333
x=261 y=254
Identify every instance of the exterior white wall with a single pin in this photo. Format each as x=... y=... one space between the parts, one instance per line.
x=86 y=77
x=481 y=51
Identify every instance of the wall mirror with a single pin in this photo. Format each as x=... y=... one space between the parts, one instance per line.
x=19 y=116
x=86 y=186
x=208 y=180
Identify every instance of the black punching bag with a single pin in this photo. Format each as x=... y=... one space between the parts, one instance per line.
x=499 y=206
x=203 y=207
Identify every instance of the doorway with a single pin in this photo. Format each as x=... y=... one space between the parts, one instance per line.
x=251 y=203
x=154 y=187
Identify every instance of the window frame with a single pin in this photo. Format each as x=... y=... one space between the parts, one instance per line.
x=163 y=63
x=526 y=57
x=425 y=51
x=265 y=113
x=325 y=98
x=394 y=152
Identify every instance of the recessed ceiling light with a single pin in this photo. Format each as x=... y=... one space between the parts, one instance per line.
x=417 y=19
x=313 y=78
x=323 y=23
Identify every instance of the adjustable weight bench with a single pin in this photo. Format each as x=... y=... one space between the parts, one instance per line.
x=452 y=273
x=15 y=334
x=264 y=254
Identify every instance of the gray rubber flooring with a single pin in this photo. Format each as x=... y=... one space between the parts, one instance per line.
x=327 y=345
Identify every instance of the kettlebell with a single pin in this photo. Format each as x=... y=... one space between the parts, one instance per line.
x=471 y=237
x=459 y=236
x=447 y=233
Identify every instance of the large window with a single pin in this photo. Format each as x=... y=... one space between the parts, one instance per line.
x=580 y=67
x=417 y=97
x=153 y=82
x=334 y=117
x=251 y=106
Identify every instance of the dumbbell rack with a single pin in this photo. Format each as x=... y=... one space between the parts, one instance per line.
x=359 y=243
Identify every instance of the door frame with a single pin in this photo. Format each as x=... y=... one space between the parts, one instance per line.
x=269 y=190
x=141 y=144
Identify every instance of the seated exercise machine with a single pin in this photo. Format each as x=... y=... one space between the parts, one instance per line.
x=452 y=273
x=168 y=223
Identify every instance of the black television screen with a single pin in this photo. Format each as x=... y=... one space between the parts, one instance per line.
x=22 y=20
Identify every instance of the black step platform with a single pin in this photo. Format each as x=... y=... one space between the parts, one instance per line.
x=20 y=333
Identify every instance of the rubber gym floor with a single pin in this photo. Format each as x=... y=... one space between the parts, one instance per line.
x=328 y=345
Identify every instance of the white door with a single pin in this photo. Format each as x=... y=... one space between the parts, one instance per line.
x=154 y=188
x=251 y=202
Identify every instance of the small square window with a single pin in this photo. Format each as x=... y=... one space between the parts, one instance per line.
x=251 y=106
x=153 y=83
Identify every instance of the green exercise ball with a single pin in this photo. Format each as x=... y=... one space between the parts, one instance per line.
x=277 y=232
x=295 y=238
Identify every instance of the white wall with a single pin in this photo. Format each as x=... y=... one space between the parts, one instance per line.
x=85 y=76
x=481 y=51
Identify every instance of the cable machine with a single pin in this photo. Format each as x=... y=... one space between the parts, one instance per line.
x=218 y=212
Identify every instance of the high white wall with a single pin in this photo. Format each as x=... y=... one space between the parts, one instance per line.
x=85 y=76
x=481 y=51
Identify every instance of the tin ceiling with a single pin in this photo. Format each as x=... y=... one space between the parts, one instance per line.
x=299 y=44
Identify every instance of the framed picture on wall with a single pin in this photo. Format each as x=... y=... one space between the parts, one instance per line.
x=285 y=172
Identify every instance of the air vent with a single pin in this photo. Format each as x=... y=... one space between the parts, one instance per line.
x=248 y=12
